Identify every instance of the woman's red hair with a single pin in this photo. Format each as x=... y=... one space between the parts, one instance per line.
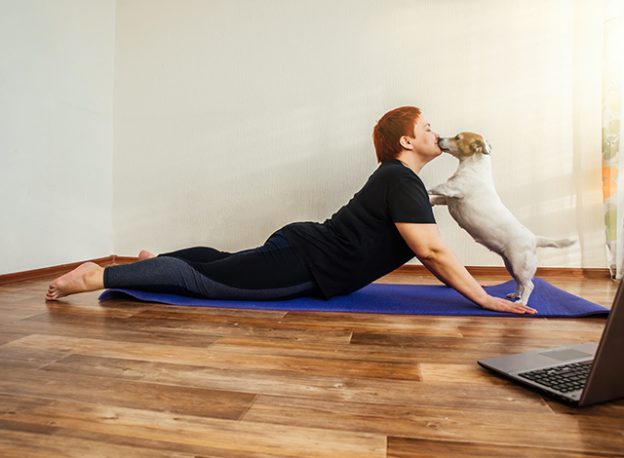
x=389 y=130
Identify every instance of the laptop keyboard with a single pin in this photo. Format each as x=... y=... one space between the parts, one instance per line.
x=565 y=378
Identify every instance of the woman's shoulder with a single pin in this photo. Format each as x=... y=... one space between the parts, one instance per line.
x=393 y=172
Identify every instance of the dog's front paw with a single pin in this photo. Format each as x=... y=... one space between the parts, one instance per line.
x=446 y=191
x=439 y=190
x=437 y=200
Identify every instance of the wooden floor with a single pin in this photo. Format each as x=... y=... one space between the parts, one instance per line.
x=125 y=379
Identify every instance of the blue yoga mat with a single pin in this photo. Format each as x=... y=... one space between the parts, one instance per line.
x=395 y=299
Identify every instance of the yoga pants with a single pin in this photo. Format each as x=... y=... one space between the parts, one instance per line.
x=271 y=271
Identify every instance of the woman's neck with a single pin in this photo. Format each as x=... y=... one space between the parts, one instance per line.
x=411 y=162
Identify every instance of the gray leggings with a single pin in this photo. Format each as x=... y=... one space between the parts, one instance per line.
x=271 y=271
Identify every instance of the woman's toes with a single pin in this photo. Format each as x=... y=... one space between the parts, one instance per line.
x=52 y=292
x=144 y=254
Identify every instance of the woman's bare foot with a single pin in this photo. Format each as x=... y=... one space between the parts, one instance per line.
x=86 y=277
x=144 y=254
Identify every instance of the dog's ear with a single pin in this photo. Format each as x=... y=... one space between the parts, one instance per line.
x=478 y=147
x=488 y=148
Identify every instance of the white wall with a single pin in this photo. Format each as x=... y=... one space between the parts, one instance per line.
x=233 y=118
x=56 y=85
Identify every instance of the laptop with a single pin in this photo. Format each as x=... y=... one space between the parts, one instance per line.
x=580 y=374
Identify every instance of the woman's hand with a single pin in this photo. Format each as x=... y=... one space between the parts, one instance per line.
x=499 y=304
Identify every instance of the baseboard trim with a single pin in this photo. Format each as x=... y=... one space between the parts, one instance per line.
x=576 y=272
x=124 y=259
x=113 y=259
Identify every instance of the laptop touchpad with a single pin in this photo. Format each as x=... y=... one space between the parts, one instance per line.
x=565 y=355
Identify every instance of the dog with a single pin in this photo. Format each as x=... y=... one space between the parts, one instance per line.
x=474 y=204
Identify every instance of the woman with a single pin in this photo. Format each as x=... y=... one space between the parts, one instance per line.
x=383 y=226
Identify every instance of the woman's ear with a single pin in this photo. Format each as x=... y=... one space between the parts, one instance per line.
x=405 y=142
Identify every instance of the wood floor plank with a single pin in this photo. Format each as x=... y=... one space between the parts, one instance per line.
x=485 y=426
x=57 y=309
x=399 y=447
x=498 y=395
x=140 y=394
x=109 y=329
x=199 y=314
x=211 y=326
x=232 y=324
x=10 y=403
x=614 y=409
x=17 y=356
x=222 y=359
x=201 y=435
x=446 y=350
x=253 y=346
x=10 y=335
x=113 y=349
x=412 y=324
x=457 y=373
x=46 y=443
x=16 y=309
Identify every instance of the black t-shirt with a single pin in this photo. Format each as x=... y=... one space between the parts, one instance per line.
x=360 y=242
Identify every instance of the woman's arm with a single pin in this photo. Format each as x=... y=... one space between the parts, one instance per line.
x=426 y=243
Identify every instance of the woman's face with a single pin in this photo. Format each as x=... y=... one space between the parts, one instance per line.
x=424 y=141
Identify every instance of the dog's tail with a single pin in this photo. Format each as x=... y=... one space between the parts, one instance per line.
x=545 y=242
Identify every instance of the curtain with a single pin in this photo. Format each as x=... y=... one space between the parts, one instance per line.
x=612 y=154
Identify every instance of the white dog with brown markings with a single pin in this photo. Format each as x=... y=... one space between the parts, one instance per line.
x=473 y=202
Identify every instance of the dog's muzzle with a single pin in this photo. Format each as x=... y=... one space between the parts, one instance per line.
x=441 y=144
